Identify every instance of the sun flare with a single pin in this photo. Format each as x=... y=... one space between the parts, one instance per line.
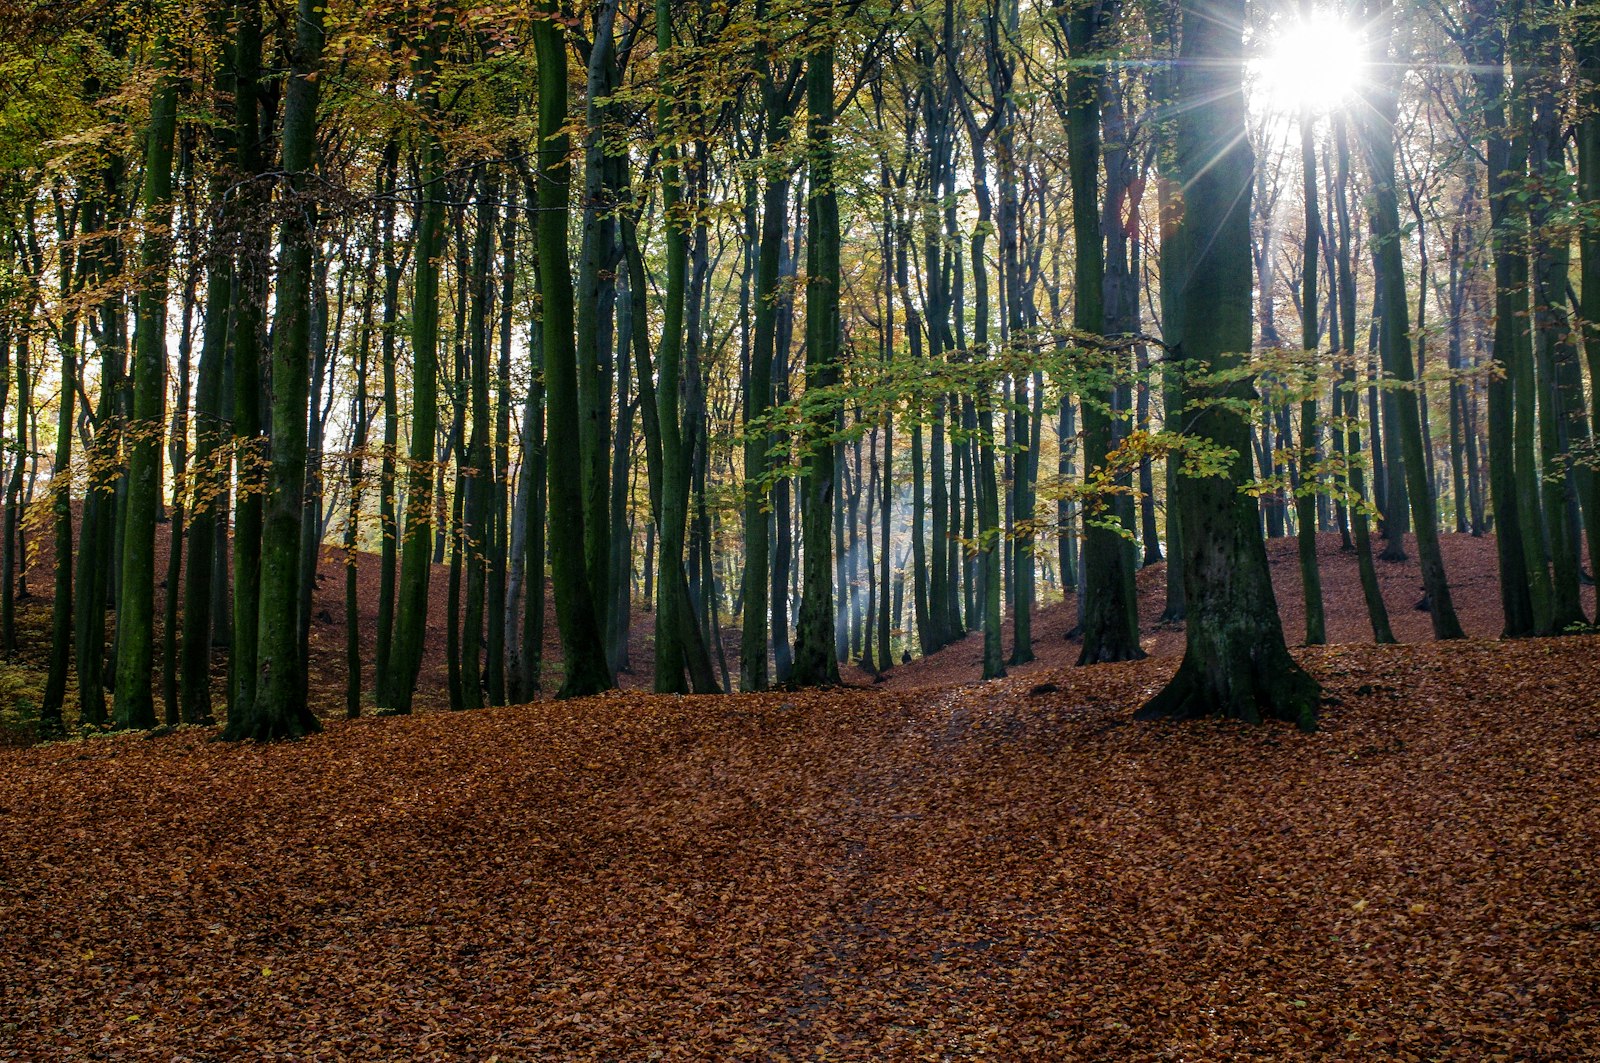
x=1318 y=64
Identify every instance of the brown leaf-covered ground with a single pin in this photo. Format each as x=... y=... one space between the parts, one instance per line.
x=939 y=873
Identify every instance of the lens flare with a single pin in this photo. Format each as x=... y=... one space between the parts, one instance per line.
x=1318 y=64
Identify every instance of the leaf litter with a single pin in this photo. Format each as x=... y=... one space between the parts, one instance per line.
x=851 y=874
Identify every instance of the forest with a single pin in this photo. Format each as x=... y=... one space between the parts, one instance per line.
x=903 y=485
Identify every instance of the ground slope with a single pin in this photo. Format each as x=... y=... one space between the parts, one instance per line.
x=990 y=868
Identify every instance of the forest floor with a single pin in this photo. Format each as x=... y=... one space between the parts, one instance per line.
x=929 y=868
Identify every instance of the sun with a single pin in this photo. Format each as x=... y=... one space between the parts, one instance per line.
x=1317 y=63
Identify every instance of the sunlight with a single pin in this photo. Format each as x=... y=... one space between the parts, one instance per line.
x=1318 y=64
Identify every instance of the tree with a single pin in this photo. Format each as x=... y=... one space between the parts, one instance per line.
x=815 y=659
x=582 y=647
x=135 y=705
x=1395 y=340
x=279 y=709
x=1235 y=661
x=416 y=561
x=1310 y=337
x=1111 y=619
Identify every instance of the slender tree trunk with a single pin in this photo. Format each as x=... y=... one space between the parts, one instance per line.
x=530 y=660
x=389 y=532
x=1395 y=346
x=1310 y=339
x=135 y=706
x=416 y=561
x=1587 y=46
x=583 y=648
x=209 y=475
x=1348 y=395
x=61 y=629
x=501 y=619
x=753 y=674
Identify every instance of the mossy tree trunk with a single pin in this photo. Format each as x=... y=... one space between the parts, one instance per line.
x=135 y=705
x=1235 y=661
x=815 y=655
x=1395 y=340
x=582 y=644
x=279 y=708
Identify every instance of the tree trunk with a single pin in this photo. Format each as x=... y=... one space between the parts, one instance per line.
x=1395 y=347
x=416 y=561
x=135 y=706
x=1111 y=624
x=279 y=708
x=1235 y=661
x=1310 y=338
x=815 y=659
x=583 y=649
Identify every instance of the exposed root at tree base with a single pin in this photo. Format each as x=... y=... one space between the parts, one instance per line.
x=1262 y=690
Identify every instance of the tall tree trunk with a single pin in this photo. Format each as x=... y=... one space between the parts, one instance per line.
x=279 y=708
x=815 y=658
x=209 y=476
x=1235 y=661
x=596 y=299
x=1556 y=353
x=1349 y=395
x=61 y=628
x=1310 y=338
x=479 y=486
x=1395 y=344
x=753 y=673
x=1486 y=52
x=1587 y=46
x=249 y=302
x=1111 y=627
x=583 y=648
x=501 y=619
x=535 y=485
x=355 y=467
x=135 y=706
x=388 y=529
x=416 y=561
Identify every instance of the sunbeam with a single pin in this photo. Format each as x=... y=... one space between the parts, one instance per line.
x=1319 y=63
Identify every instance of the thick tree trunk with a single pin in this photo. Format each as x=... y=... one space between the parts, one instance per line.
x=815 y=658
x=1235 y=661
x=279 y=708
x=1486 y=52
x=249 y=301
x=1110 y=623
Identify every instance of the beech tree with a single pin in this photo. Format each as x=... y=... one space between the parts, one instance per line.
x=1235 y=661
